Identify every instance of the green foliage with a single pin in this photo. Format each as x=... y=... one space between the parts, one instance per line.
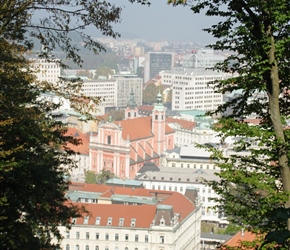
x=103 y=72
x=34 y=152
x=254 y=184
x=90 y=177
x=117 y=115
x=104 y=176
x=150 y=93
x=32 y=190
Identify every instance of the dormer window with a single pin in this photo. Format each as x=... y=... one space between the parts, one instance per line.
x=98 y=220
x=121 y=222
x=109 y=221
x=86 y=220
x=133 y=222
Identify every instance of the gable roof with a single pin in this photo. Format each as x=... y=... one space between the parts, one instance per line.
x=138 y=128
x=83 y=147
x=188 y=125
x=238 y=238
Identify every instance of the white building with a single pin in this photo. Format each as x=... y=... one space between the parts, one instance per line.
x=127 y=84
x=121 y=218
x=106 y=90
x=190 y=89
x=180 y=180
x=189 y=133
x=46 y=70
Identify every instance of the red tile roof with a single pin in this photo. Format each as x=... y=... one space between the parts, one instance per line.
x=144 y=214
x=82 y=148
x=117 y=211
x=183 y=123
x=139 y=128
x=239 y=239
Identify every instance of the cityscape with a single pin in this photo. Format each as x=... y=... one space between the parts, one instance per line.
x=140 y=126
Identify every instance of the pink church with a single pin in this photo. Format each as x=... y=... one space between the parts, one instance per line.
x=123 y=146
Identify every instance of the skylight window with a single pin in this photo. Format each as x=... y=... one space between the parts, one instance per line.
x=133 y=222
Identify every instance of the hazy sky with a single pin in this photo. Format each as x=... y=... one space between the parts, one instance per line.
x=162 y=21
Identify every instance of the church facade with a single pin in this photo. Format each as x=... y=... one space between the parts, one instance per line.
x=123 y=146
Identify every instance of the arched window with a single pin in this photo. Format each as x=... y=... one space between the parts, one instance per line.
x=106 y=248
x=135 y=114
x=109 y=139
x=77 y=247
x=129 y=114
x=67 y=247
x=126 y=248
x=97 y=248
x=156 y=117
x=87 y=247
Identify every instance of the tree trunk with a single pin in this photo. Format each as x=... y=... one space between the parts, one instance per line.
x=275 y=116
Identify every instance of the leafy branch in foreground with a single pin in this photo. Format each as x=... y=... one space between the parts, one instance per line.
x=254 y=188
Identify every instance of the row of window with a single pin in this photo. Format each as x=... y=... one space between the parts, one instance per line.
x=77 y=247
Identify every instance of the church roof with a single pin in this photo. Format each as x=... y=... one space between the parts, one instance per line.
x=138 y=128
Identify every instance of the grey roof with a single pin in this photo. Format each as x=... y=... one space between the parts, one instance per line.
x=148 y=166
x=194 y=152
x=76 y=195
x=126 y=182
x=180 y=175
x=220 y=237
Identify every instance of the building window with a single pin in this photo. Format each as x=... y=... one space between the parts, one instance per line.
x=107 y=236
x=133 y=222
x=161 y=240
x=109 y=221
x=153 y=187
x=87 y=247
x=182 y=165
x=97 y=248
x=67 y=234
x=86 y=219
x=97 y=236
x=170 y=188
x=188 y=165
x=87 y=235
x=121 y=222
x=156 y=117
x=77 y=235
x=109 y=140
x=136 y=237
x=67 y=247
x=106 y=248
x=126 y=237
x=146 y=238
x=77 y=247
x=116 y=237
x=181 y=189
x=98 y=220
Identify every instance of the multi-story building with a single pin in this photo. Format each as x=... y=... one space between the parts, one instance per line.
x=180 y=179
x=46 y=70
x=189 y=132
x=127 y=84
x=123 y=146
x=156 y=62
x=121 y=218
x=190 y=89
x=203 y=58
x=106 y=90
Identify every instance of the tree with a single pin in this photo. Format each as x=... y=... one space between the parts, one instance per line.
x=150 y=93
x=90 y=177
x=254 y=189
x=34 y=151
x=104 y=176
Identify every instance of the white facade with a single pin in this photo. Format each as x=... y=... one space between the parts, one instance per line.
x=121 y=218
x=125 y=85
x=179 y=179
x=105 y=89
x=190 y=88
x=46 y=70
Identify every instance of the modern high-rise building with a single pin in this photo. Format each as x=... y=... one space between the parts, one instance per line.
x=190 y=89
x=156 y=62
x=125 y=85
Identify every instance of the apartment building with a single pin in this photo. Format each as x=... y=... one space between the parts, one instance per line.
x=190 y=89
x=46 y=70
x=121 y=218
